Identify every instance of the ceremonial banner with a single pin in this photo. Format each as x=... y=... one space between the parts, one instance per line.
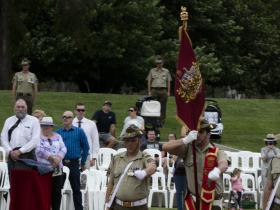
x=189 y=91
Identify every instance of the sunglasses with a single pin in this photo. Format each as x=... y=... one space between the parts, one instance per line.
x=270 y=143
x=67 y=117
x=131 y=110
x=80 y=110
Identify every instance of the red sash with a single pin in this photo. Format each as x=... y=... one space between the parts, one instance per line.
x=208 y=186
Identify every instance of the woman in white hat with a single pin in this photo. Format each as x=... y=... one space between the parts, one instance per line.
x=267 y=153
x=52 y=150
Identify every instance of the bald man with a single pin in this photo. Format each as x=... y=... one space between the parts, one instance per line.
x=20 y=135
x=77 y=146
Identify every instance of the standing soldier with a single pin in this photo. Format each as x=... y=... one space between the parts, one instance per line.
x=272 y=186
x=159 y=85
x=128 y=186
x=210 y=163
x=25 y=85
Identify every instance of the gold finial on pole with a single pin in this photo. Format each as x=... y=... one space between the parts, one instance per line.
x=184 y=15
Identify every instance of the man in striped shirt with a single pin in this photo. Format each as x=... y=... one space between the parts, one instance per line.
x=77 y=146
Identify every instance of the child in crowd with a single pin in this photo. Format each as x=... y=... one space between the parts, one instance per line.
x=237 y=188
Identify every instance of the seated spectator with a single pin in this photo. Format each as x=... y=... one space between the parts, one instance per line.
x=52 y=150
x=105 y=121
x=133 y=119
x=39 y=114
x=151 y=142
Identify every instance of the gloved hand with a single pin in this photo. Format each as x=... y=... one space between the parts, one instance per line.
x=140 y=174
x=214 y=175
x=190 y=137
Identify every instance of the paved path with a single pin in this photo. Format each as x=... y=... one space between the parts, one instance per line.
x=223 y=147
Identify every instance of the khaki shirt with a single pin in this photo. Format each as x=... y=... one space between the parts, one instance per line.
x=131 y=188
x=24 y=84
x=159 y=77
x=200 y=158
x=273 y=173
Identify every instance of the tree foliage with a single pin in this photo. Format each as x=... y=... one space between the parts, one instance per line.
x=104 y=45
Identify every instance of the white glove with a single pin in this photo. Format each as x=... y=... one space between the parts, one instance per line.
x=140 y=174
x=190 y=137
x=214 y=175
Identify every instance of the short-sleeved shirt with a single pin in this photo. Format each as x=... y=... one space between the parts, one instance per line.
x=25 y=84
x=131 y=188
x=273 y=173
x=104 y=120
x=200 y=158
x=159 y=77
x=151 y=145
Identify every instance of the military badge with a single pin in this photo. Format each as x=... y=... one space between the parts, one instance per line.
x=190 y=83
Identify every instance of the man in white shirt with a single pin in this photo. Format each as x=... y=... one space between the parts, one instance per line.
x=91 y=132
x=20 y=135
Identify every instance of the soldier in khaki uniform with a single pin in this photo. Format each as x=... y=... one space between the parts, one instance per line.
x=25 y=85
x=128 y=186
x=273 y=174
x=183 y=148
x=159 y=85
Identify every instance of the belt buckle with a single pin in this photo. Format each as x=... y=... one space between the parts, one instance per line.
x=127 y=204
x=67 y=161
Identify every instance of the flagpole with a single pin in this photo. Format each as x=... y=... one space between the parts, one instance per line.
x=184 y=18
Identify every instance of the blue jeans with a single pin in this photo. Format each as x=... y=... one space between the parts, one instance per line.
x=180 y=185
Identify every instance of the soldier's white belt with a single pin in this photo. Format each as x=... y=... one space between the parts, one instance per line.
x=277 y=201
x=129 y=204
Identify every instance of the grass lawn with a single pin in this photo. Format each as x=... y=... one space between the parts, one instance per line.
x=246 y=121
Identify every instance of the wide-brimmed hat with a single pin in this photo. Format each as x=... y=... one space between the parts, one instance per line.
x=270 y=137
x=107 y=102
x=159 y=59
x=47 y=121
x=132 y=131
x=25 y=61
x=204 y=124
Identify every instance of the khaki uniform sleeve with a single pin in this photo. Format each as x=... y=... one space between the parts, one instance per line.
x=222 y=156
x=185 y=151
x=110 y=172
x=35 y=79
x=169 y=76
x=268 y=174
x=15 y=78
x=149 y=77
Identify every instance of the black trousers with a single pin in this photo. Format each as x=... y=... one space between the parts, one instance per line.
x=57 y=185
x=74 y=178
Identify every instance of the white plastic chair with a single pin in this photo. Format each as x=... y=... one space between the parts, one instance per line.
x=104 y=158
x=96 y=189
x=121 y=150
x=158 y=177
x=233 y=156
x=4 y=186
x=227 y=186
x=248 y=182
x=250 y=163
x=84 y=175
x=170 y=185
x=153 y=153
x=3 y=154
x=260 y=188
x=66 y=192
